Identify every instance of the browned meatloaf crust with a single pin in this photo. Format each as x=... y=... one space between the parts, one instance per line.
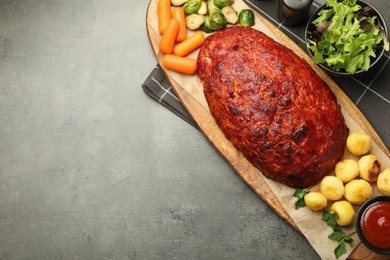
x=272 y=106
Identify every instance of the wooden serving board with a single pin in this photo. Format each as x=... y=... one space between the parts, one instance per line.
x=190 y=92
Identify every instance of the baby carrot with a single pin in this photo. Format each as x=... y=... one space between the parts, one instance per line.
x=164 y=14
x=180 y=64
x=168 y=38
x=191 y=43
x=178 y=14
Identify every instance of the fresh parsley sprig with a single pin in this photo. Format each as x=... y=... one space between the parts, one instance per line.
x=338 y=235
x=300 y=194
x=330 y=217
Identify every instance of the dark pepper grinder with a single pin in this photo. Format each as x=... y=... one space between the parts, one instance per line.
x=294 y=12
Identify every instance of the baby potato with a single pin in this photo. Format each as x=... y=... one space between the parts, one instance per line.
x=383 y=182
x=332 y=187
x=347 y=170
x=315 y=200
x=359 y=143
x=369 y=167
x=358 y=191
x=345 y=211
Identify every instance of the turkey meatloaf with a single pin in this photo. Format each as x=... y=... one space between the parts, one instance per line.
x=272 y=106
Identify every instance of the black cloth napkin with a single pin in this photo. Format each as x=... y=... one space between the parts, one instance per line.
x=157 y=87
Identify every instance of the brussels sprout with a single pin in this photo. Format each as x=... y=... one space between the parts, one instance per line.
x=246 y=17
x=203 y=8
x=214 y=21
x=223 y=3
x=194 y=21
x=230 y=14
x=178 y=2
x=192 y=6
x=211 y=6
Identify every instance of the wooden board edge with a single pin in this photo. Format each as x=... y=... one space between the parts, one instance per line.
x=149 y=29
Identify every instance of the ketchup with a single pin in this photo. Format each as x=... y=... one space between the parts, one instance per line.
x=375 y=224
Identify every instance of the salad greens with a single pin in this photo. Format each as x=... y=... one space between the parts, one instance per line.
x=346 y=36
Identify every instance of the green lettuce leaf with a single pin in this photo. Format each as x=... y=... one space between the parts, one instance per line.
x=348 y=41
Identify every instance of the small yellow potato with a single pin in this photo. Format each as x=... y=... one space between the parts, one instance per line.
x=358 y=191
x=383 y=182
x=345 y=211
x=359 y=143
x=347 y=170
x=332 y=187
x=315 y=201
x=369 y=167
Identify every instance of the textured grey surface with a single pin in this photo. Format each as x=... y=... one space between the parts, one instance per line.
x=92 y=168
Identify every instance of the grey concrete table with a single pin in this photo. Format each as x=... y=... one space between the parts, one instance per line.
x=92 y=168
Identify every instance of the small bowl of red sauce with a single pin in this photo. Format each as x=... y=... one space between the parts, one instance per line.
x=373 y=224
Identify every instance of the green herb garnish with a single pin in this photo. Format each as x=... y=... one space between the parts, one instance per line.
x=330 y=217
x=300 y=194
x=339 y=236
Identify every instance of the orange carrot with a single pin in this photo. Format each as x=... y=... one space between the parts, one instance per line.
x=168 y=38
x=191 y=43
x=180 y=64
x=178 y=14
x=164 y=14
